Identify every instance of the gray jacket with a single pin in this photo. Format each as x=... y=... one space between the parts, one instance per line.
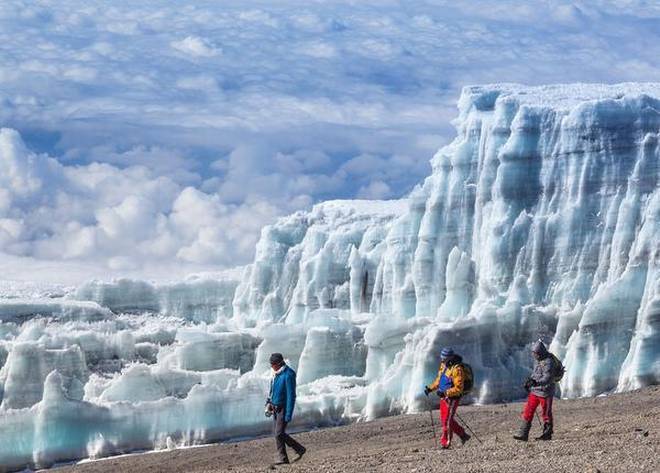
x=543 y=372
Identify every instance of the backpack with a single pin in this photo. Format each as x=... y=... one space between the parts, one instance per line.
x=558 y=369
x=468 y=381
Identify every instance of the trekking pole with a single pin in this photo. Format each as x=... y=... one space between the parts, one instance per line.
x=435 y=437
x=539 y=419
x=466 y=425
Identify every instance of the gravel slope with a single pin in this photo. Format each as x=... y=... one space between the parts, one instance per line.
x=607 y=434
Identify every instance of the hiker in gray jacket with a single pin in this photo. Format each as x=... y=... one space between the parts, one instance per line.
x=541 y=388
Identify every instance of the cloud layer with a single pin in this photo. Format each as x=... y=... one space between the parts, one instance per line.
x=121 y=217
x=174 y=131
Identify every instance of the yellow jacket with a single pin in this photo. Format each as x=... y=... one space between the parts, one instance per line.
x=456 y=374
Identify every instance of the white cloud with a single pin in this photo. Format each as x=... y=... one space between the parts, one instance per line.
x=375 y=190
x=202 y=82
x=80 y=74
x=241 y=112
x=258 y=17
x=123 y=219
x=196 y=46
x=161 y=161
x=318 y=50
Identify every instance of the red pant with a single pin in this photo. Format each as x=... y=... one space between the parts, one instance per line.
x=449 y=425
x=533 y=402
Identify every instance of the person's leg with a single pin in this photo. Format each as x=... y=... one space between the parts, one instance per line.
x=444 y=422
x=530 y=407
x=455 y=426
x=546 y=409
x=293 y=443
x=546 y=413
x=527 y=416
x=280 y=437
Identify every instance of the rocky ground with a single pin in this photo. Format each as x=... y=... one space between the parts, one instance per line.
x=618 y=433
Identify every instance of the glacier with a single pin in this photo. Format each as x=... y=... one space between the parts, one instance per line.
x=540 y=220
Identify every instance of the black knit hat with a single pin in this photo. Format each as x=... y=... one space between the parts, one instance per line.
x=276 y=359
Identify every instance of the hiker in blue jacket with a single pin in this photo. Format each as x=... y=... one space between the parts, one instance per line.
x=280 y=404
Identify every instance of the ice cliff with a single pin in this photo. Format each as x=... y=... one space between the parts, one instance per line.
x=540 y=219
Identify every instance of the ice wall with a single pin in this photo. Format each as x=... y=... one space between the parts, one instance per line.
x=322 y=259
x=541 y=219
x=199 y=299
x=545 y=203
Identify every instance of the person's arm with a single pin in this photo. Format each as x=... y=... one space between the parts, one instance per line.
x=545 y=376
x=436 y=382
x=290 y=398
x=458 y=382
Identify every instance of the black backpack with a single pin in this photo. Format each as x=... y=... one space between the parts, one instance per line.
x=468 y=380
x=558 y=369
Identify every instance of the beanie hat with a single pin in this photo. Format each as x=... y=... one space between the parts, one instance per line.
x=446 y=353
x=276 y=359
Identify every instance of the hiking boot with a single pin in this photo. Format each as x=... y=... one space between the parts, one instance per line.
x=465 y=437
x=547 y=432
x=523 y=432
x=300 y=455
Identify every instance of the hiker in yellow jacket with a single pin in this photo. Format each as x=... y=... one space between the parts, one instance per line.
x=449 y=387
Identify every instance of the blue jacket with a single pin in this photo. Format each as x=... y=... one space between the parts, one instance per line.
x=283 y=392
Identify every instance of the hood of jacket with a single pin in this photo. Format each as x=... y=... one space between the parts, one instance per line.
x=540 y=349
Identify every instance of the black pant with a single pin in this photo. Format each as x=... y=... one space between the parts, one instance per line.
x=282 y=439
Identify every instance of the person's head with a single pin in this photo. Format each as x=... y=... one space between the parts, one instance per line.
x=447 y=355
x=276 y=361
x=539 y=350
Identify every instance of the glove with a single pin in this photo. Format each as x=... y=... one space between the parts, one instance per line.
x=529 y=383
x=441 y=394
x=427 y=390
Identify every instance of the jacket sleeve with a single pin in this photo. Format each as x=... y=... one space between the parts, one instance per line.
x=458 y=377
x=436 y=382
x=543 y=376
x=290 y=397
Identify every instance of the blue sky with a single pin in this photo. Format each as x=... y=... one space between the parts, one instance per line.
x=167 y=133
